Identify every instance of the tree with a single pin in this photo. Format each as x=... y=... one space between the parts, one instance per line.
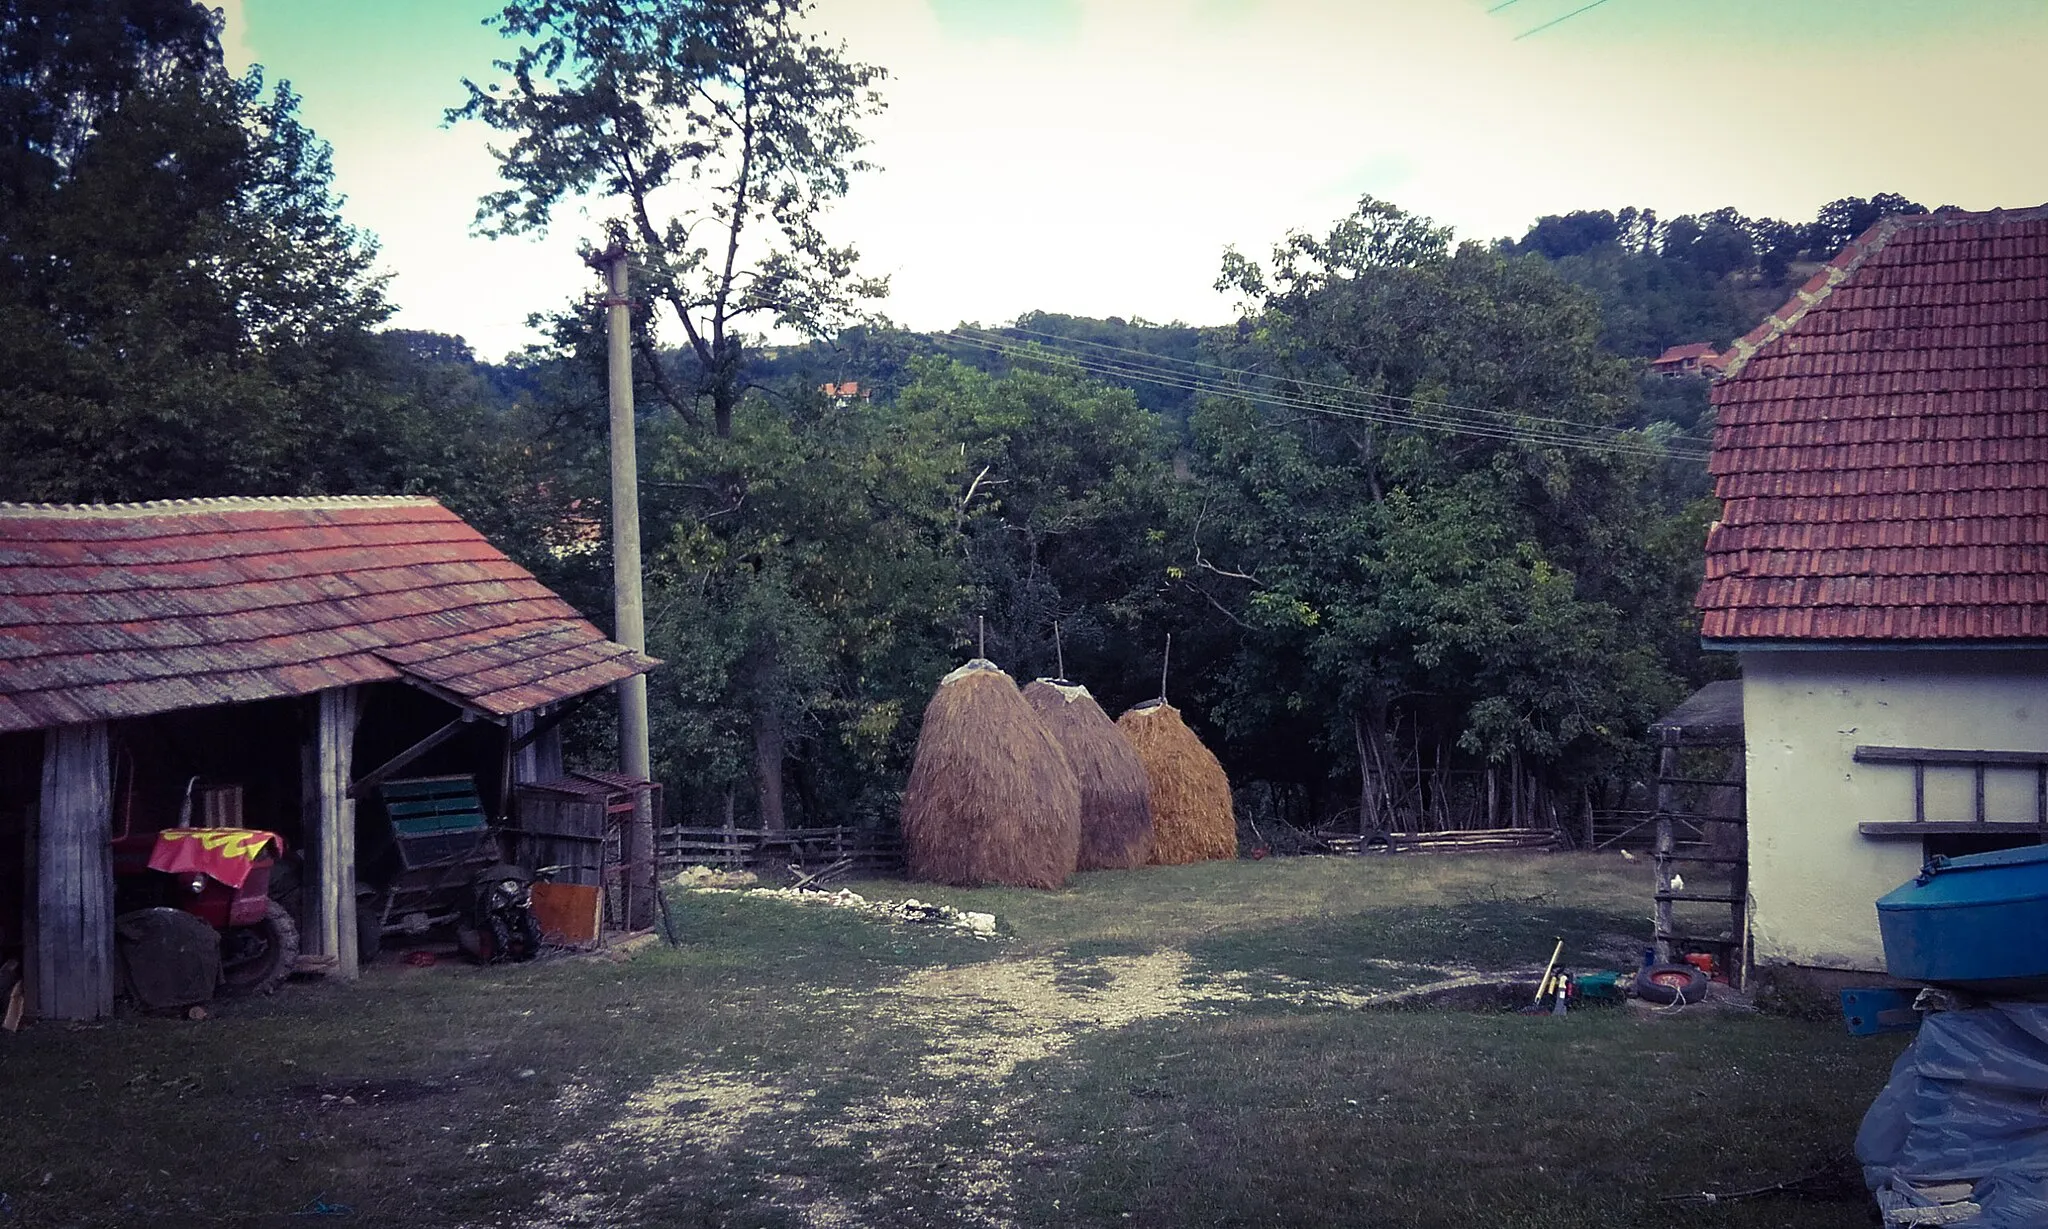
x=1433 y=527
x=721 y=131
x=182 y=311
x=1059 y=484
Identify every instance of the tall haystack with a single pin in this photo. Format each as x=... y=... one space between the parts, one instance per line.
x=1116 y=796
x=991 y=798
x=1192 y=820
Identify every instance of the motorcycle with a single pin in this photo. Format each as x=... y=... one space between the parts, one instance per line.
x=500 y=925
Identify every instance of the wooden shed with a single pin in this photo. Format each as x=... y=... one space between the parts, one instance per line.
x=292 y=653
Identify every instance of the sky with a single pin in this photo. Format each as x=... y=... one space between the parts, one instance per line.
x=1097 y=156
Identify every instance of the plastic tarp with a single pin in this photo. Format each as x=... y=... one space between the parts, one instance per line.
x=1966 y=1103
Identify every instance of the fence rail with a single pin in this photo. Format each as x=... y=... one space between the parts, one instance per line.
x=753 y=848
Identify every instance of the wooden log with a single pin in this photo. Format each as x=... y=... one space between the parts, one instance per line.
x=328 y=811
x=70 y=970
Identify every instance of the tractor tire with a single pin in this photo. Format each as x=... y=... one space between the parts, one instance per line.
x=255 y=959
x=1671 y=983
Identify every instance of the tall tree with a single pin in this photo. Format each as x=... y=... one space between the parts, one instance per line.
x=721 y=131
x=1411 y=537
x=182 y=310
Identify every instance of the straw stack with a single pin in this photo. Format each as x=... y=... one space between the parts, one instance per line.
x=991 y=798
x=1116 y=797
x=1192 y=819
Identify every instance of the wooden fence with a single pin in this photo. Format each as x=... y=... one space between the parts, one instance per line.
x=865 y=850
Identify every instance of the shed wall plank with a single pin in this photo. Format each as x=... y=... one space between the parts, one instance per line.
x=71 y=970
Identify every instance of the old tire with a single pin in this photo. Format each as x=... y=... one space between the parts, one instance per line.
x=1671 y=983
x=254 y=959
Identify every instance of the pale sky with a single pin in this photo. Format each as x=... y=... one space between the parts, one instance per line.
x=1096 y=156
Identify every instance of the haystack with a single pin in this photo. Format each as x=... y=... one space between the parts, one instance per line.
x=1116 y=796
x=1192 y=820
x=991 y=798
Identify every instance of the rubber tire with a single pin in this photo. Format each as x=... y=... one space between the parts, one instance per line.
x=1671 y=983
x=1378 y=843
x=263 y=974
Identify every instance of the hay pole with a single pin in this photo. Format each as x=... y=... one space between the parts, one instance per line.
x=1059 y=650
x=1165 y=662
x=981 y=637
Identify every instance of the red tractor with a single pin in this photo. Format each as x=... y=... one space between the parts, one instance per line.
x=220 y=876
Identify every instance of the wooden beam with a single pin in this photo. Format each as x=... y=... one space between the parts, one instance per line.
x=1949 y=757
x=70 y=966
x=1943 y=827
x=389 y=768
x=328 y=924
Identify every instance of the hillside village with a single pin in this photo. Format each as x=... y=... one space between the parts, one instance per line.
x=738 y=760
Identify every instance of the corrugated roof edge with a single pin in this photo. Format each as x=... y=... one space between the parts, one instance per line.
x=1845 y=263
x=223 y=503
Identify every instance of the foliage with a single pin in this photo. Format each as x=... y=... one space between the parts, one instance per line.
x=721 y=130
x=801 y=593
x=1059 y=515
x=182 y=311
x=1465 y=576
x=1707 y=277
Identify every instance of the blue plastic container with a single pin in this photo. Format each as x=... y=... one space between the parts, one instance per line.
x=1979 y=922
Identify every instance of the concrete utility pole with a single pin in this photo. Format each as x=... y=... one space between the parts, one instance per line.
x=629 y=612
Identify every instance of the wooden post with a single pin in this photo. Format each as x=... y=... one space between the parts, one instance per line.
x=328 y=927
x=1667 y=798
x=70 y=965
x=629 y=614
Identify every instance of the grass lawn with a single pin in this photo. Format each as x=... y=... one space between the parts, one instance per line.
x=1168 y=1047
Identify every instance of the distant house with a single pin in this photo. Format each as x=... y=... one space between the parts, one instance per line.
x=294 y=651
x=1694 y=359
x=843 y=395
x=1881 y=566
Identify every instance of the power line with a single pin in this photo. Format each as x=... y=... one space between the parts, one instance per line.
x=1554 y=21
x=1618 y=441
x=1621 y=442
x=1508 y=417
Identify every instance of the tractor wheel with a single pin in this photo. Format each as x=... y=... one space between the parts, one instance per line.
x=1671 y=983
x=254 y=959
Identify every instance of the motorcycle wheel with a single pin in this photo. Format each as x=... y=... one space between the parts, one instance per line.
x=501 y=941
x=254 y=959
x=528 y=937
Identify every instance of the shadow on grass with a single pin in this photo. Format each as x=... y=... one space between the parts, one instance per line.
x=1452 y=1121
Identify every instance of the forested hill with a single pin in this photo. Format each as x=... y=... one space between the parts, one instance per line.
x=1707 y=277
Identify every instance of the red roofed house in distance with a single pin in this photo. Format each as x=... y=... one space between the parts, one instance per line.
x=1881 y=567
x=262 y=664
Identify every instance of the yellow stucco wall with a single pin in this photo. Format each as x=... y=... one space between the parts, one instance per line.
x=1813 y=878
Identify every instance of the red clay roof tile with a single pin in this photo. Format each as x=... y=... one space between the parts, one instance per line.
x=1881 y=450
x=126 y=610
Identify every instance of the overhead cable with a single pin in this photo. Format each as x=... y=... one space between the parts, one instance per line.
x=1512 y=417
x=1631 y=443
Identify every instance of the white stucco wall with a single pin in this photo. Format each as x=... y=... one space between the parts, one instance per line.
x=1813 y=878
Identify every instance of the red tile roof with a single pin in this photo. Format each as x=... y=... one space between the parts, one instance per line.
x=129 y=609
x=1881 y=450
x=1678 y=354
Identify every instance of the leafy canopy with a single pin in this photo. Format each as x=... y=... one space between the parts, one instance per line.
x=720 y=130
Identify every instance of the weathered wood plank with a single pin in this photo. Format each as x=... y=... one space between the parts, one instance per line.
x=328 y=927
x=71 y=969
x=1948 y=757
x=1947 y=827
